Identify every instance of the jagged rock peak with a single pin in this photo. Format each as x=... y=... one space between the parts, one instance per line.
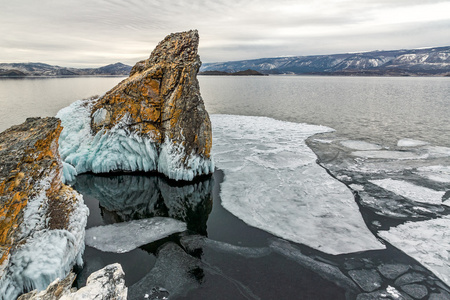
x=175 y=48
x=158 y=109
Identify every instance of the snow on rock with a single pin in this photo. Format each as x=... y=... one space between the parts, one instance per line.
x=107 y=283
x=155 y=120
x=42 y=221
x=426 y=241
x=410 y=191
x=360 y=145
x=272 y=182
x=410 y=143
x=124 y=237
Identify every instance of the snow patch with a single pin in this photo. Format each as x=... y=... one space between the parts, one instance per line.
x=410 y=191
x=426 y=241
x=272 y=182
x=124 y=237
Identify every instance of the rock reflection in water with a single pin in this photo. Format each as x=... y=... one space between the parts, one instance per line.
x=131 y=197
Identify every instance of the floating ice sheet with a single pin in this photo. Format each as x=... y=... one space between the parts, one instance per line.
x=410 y=191
x=360 y=145
x=387 y=154
x=124 y=237
x=272 y=182
x=426 y=241
x=435 y=173
x=410 y=143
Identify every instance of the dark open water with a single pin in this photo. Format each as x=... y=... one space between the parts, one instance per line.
x=220 y=257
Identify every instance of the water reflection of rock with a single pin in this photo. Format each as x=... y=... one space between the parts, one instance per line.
x=131 y=197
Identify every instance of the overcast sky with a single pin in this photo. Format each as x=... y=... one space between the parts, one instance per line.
x=90 y=33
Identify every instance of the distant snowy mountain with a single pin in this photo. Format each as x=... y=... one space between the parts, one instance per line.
x=430 y=61
x=40 y=69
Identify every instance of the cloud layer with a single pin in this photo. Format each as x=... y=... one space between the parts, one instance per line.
x=85 y=33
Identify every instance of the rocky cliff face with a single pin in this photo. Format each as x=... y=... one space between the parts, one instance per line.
x=41 y=220
x=155 y=119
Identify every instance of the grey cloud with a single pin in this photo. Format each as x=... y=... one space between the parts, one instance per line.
x=105 y=31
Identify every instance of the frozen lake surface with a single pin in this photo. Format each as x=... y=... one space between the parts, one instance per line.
x=341 y=193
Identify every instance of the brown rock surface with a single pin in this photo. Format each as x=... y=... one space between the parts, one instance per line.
x=162 y=97
x=155 y=120
x=30 y=175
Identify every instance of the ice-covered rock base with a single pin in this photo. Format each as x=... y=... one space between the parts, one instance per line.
x=118 y=149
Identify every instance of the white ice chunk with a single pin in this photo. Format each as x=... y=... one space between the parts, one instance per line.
x=323 y=141
x=272 y=182
x=360 y=145
x=120 y=149
x=435 y=173
x=124 y=237
x=410 y=143
x=426 y=241
x=386 y=154
x=437 y=151
x=357 y=187
x=410 y=191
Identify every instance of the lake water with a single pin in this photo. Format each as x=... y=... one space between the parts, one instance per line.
x=391 y=138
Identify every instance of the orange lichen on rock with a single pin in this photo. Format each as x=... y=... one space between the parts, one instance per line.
x=161 y=98
x=28 y=156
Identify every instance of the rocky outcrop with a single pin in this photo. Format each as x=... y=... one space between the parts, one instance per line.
x=153 y=120
x=41 y=220
x=107 y=283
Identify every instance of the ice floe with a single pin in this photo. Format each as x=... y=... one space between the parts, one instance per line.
x=435 y=173
x=426 y=241
x=272 y=182
x=388 y=154
x=120 y=149
x=360 y=145
x=410 y=191
x=410 y=143
x=124 y=237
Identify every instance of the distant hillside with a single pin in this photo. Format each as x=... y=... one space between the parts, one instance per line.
x=40 y=69
x=415 y=62
x=247 y=72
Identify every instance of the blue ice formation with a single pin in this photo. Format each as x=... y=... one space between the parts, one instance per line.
x=118 y=149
